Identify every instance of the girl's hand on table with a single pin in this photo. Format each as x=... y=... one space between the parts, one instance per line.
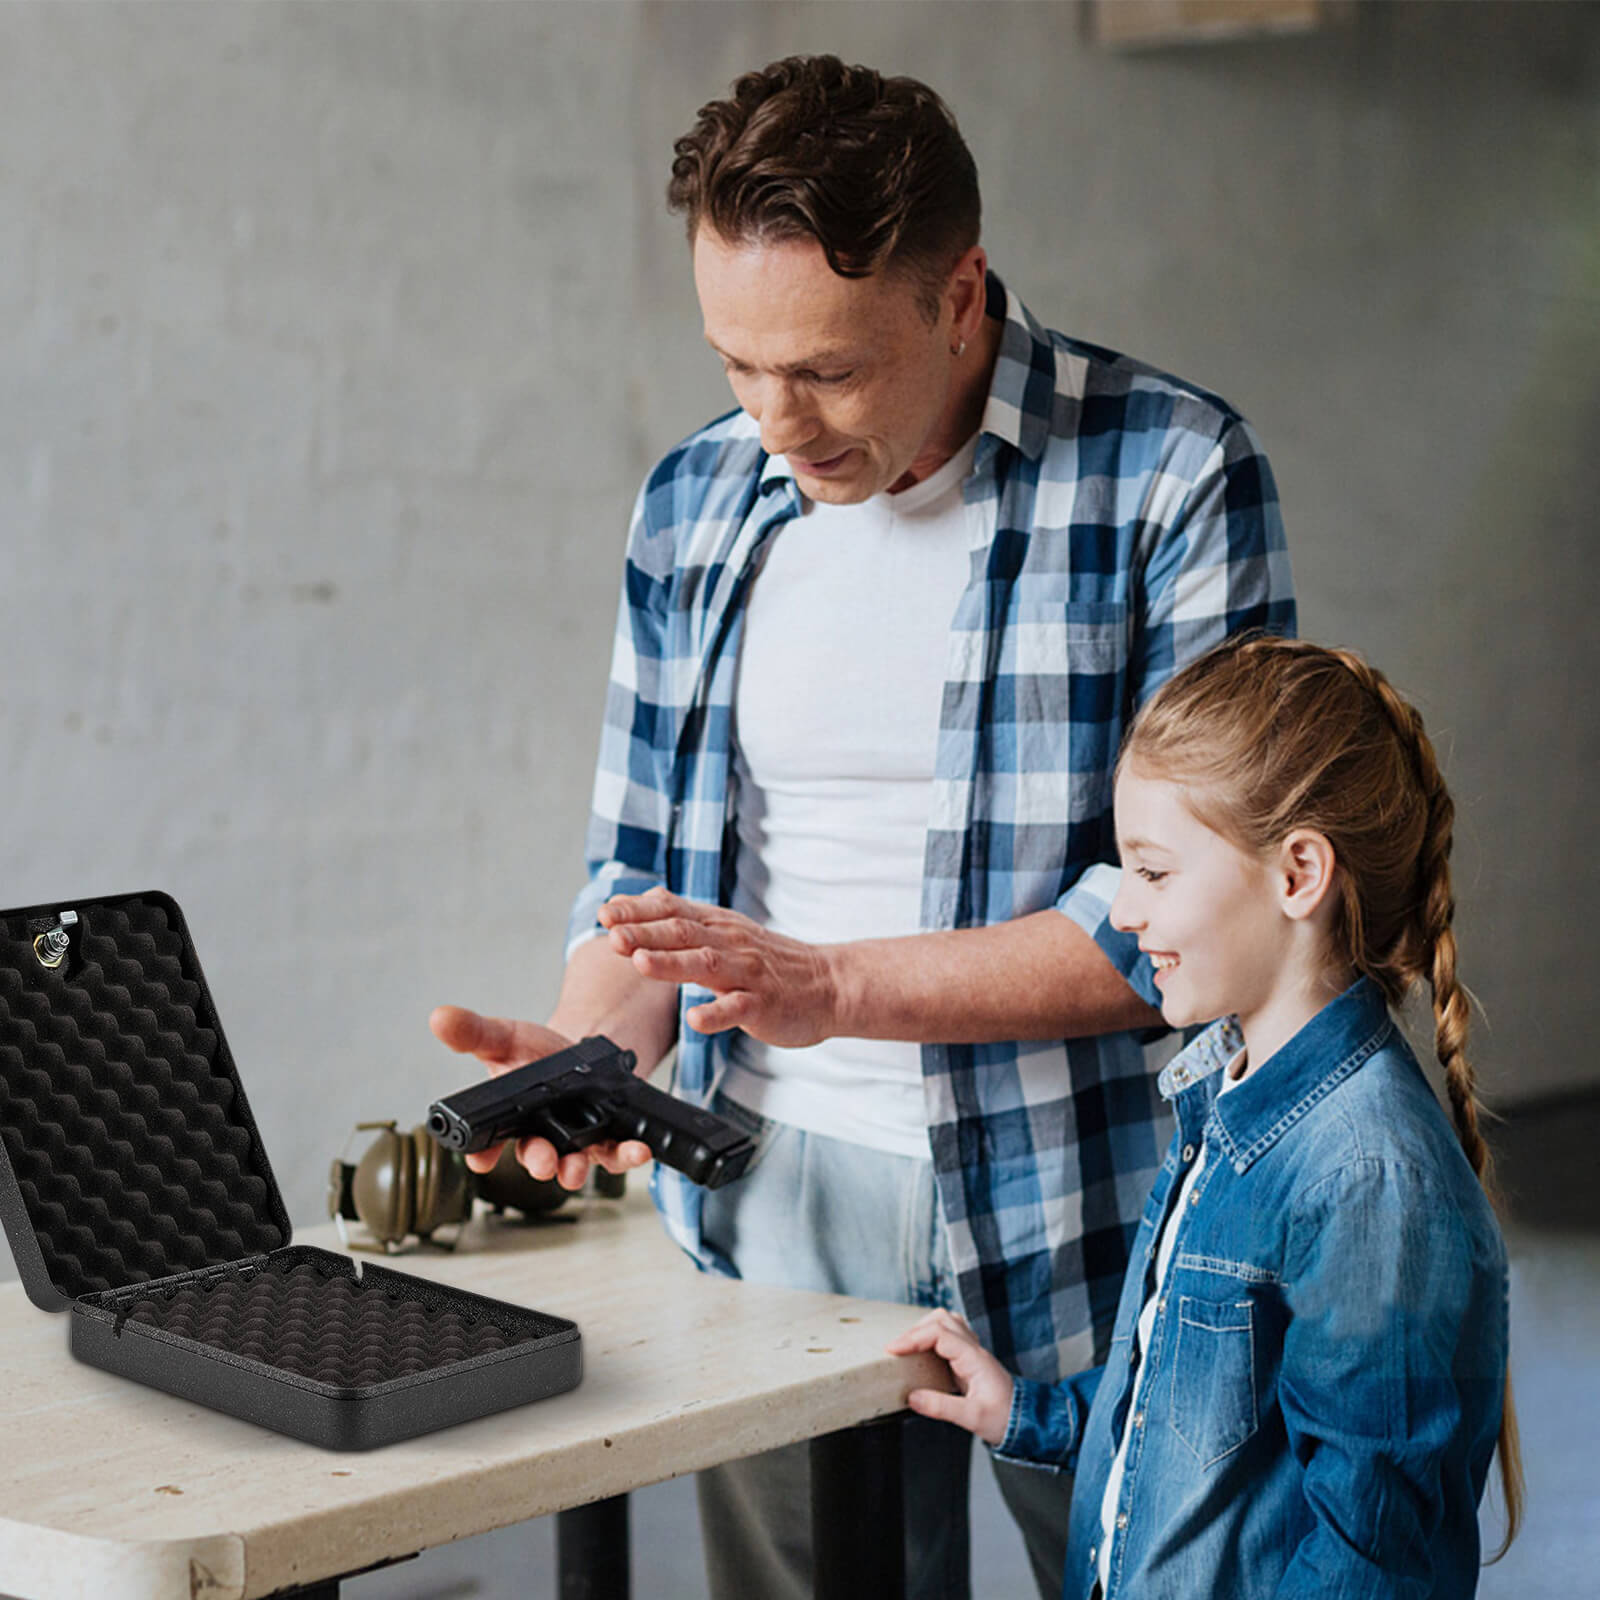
x=983 y=1405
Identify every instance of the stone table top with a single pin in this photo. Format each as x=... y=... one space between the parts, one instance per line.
x=115 y=1491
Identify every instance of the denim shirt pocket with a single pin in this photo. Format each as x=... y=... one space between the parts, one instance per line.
x=1213 y=1376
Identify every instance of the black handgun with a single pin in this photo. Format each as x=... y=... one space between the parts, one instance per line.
x=589 y=1094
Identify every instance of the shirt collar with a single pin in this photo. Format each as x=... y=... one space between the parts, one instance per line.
x=1022 y=391
x=1256 y=1113
x=1022 y=388
x=1201 y=1057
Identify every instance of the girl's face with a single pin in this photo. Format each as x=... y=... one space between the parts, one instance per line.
x=1208 y=916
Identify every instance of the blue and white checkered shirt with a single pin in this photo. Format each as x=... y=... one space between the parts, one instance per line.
x=1135 y=524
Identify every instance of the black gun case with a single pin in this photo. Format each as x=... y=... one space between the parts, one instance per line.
x=134 y=1189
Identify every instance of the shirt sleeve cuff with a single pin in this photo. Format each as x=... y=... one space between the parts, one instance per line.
x=1040 y=1432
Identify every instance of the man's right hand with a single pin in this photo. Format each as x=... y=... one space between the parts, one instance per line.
x=501 y=1044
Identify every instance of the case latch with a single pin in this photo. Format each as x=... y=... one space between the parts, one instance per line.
x=51 y=945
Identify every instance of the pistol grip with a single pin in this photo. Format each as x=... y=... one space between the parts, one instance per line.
x=701 y=1145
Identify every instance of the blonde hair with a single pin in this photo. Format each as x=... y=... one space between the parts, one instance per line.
x=1269 y=735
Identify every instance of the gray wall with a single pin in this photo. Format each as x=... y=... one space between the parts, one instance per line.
x=339 y=335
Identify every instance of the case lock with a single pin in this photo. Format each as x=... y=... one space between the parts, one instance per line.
x=51 y=946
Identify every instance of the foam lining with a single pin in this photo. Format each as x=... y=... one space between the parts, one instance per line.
x=134 y=1189
x=134 y=1154
x=302 y=1311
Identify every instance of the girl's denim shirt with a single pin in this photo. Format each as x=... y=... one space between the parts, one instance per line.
x=1326 y=1370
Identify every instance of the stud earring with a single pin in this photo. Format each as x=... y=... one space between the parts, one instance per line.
x=959 y=348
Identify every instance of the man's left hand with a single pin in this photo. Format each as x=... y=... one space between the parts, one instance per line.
x=779 y=990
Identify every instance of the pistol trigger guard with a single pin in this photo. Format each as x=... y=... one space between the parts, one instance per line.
x=573 y=1124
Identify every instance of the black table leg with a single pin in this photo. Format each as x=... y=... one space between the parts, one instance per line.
x=592 y=1551
x=857 y=1516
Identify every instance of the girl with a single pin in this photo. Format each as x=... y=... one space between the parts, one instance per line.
x=1307 y=1377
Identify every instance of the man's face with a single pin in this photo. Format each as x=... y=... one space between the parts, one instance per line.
x=847 y=377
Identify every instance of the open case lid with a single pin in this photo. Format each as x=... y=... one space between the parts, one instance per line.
x=127 y=1149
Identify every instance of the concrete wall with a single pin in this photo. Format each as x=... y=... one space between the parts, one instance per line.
x=337 y=337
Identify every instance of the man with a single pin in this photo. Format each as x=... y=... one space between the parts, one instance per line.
x=880 y=633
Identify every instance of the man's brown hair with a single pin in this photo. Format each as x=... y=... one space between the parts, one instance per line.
x=873 y=168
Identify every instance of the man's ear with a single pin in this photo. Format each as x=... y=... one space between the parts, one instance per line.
x=968 y=292
x=1306 y=868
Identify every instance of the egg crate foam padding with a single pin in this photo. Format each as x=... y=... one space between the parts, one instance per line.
x=130 y=1145
x=297 y=1342
x=134 y=1188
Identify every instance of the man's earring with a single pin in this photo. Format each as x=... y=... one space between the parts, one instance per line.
x=959 y=348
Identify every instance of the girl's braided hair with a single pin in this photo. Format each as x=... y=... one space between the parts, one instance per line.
x=1269 y=735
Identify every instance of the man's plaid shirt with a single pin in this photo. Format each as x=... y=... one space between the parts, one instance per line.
x=1135 y=523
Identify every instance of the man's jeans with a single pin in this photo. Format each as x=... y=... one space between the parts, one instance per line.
x=818 y=1213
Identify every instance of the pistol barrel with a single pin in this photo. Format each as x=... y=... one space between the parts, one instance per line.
x=448 y=1126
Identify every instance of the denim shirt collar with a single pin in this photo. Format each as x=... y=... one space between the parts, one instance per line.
x=1258 y=1112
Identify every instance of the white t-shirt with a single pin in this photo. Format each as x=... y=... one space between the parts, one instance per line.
x=836 y=726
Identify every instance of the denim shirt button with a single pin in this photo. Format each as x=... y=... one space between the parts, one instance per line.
x=1188 y=1152
x=1161 y=1304
x=1122 y=1520
x=1194 y=1199
x=1138 y=1419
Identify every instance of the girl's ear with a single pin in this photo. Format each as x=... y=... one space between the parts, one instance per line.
x=1306 y=867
